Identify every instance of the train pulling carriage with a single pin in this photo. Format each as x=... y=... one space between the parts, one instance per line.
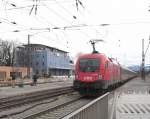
x=95 y=72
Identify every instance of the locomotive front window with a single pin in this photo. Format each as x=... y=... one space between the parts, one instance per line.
x=89 y=65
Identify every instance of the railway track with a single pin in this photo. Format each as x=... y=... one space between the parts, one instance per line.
x=34 y=105
x=60 y=110
x=65 y=109
x=56 y=106
x=14 y=101
x=49 y=105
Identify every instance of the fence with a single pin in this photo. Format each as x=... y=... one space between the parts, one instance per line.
x=97 y=109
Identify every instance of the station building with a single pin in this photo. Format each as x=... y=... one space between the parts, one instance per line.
x=44 y=60
x=6 y=72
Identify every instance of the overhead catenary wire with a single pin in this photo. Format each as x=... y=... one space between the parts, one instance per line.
x=21 y=7
x=34 y=7
x=72 y=15
x=19 y=29
x=42 y=28
x=82 y=24
x=6 y=10
x=56 y=28
x=62 y=2
x=48 y=23
x=66 y=10
x=11 y=22
x=71 y=27
x=45 y=20
x=10 y=3
x=147 y=47
x=53 y=11
x=66 y=27
x=51 y=39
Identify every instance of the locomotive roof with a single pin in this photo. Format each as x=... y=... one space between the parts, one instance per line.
x=126 y=68
x=92 y=55
x=99 y=55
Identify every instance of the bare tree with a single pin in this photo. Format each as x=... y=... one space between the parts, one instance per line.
x=7 y=52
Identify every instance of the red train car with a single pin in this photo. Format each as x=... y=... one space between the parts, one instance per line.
x=96 y=71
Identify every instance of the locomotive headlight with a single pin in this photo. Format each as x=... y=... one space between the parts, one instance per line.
x=76 y=76
x=99 y=76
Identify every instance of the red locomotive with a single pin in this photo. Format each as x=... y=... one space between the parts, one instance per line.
x=95 y=72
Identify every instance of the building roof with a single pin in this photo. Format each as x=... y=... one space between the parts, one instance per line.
x=41 y=45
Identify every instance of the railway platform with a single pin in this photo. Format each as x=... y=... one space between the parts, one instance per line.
x=129 y=101
x=41 y=85
x=133 y=100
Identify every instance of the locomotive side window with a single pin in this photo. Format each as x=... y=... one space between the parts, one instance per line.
x=89 y=65
x=106 y=65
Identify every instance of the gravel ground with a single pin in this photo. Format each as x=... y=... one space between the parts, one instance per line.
x=33 y=108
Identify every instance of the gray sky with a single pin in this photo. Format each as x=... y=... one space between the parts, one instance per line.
x=129 y=23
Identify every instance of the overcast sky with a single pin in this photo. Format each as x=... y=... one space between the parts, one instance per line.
x=54 y=24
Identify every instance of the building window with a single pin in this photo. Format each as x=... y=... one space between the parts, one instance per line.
x=65 y=54
x=57 y=54
x=37 y=63
x=43 y=63
x=37 y=71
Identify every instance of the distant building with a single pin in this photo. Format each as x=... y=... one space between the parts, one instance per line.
x=7 y=72
x=44 y=60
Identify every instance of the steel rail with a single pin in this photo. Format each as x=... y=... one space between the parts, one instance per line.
x=32 y=97
x=41 y=112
